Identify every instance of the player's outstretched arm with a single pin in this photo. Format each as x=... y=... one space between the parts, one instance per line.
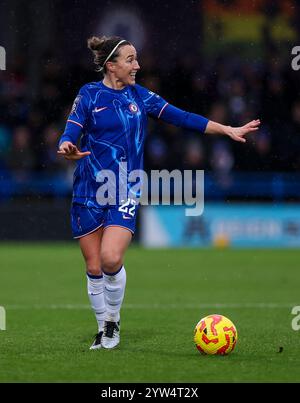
x=236 y=133
x=71 y=152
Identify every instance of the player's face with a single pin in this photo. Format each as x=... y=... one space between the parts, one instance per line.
x=126 y=65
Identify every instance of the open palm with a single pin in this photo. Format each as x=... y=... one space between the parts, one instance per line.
x=238 y=133
x=71 y=152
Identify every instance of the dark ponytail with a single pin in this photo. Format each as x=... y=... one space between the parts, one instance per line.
x=102 y=47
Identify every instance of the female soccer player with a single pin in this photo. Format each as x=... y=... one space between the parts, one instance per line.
x=110 y=117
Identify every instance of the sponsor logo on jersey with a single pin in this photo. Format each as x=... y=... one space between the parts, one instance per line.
x=100 y=109
x=133 y=108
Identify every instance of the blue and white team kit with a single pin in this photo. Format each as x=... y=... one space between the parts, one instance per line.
x=112 y=125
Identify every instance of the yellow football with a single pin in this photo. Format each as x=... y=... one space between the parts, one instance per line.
x=215 y=334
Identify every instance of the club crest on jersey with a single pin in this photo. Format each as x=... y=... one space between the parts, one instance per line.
x=133 y=108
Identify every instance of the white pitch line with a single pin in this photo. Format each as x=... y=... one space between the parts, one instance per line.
x=254 y=305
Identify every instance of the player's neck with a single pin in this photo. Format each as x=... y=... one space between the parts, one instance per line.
x=113 y=83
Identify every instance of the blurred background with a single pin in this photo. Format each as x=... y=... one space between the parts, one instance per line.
x=228 y=60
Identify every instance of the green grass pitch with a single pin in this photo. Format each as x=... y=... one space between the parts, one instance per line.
x=49 y=326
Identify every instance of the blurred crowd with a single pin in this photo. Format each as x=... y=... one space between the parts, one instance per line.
x=228 y=90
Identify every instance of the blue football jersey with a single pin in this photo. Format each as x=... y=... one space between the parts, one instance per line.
x=112 y=125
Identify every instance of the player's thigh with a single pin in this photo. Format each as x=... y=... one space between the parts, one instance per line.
x=90 y=247
x=114 y=243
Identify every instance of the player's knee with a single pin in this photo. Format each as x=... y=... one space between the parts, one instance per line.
x=111 y=260
x=94 y=270
x=93 y=266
